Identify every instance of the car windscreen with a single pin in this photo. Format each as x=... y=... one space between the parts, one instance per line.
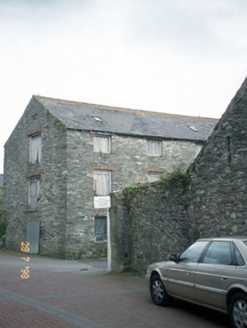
x=193 y=253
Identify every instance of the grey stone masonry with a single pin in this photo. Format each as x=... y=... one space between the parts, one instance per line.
x=218 y=190
x=52 y=206
x=58 y=187
x=152 y=221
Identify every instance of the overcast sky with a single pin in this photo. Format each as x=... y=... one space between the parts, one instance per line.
x=176 y=56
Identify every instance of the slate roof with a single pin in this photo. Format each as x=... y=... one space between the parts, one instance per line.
x=98 y=118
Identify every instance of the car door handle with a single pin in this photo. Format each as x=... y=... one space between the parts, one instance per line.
x=223 y=278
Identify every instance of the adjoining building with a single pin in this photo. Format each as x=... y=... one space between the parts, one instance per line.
x=62 y=154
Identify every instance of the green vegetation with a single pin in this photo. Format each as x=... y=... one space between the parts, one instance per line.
x=178 y=178
x=3 y=227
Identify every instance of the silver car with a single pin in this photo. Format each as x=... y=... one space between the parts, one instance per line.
x=212 y=272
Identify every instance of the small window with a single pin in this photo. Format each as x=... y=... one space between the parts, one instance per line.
x=154 y=148
x=102 y=144
x=34 y=192
x=154 y=176
x=100 y=229
x=193 y=253
x=219 y=252
x=35 y=148
x=102 y=183
x=238 y=256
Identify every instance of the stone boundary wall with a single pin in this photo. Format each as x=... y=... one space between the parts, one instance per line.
x=153 y=222
x=148 y=224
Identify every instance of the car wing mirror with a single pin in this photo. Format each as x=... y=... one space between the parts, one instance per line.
x=173 y=258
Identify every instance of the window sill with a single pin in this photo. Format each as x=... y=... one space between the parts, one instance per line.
x=32 y=209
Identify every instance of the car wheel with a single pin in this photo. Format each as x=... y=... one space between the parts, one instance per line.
x=238 y=311
x=158 y=292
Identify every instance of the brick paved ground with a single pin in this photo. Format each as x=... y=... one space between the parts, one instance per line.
x=69 y=294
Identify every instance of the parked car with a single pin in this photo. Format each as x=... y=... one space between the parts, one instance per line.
x=212 y=272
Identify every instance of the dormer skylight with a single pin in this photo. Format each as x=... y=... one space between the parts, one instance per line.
x=193 y=128
x=97 y=118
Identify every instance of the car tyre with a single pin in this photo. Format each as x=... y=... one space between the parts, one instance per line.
x=238 y=311
x=158 y=292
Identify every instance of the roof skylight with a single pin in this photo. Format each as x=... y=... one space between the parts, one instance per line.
x=97 y=118
x=193 y=128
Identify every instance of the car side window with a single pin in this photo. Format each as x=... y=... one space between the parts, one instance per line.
x=219 y=252
x=238 y=256
x=193 y=253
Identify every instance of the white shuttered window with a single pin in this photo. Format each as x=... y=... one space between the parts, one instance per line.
x=35 y=148
x=154 y=148
x=34 y=192
x=102 y=144
x=102 y=183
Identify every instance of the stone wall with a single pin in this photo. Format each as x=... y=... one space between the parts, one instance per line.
x=218 y=191
x=128 y=163
x=214 y=204
x=151 y=222
x=17 y=169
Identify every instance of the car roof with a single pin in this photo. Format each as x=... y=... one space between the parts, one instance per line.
x=224 y=238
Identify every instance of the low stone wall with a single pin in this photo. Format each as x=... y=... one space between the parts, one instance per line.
x=151 y=223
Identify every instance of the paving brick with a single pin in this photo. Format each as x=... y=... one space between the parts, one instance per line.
x=54 y=297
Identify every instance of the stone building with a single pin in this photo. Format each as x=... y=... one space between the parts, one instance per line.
x=62 y=154
x=1 y=197
x=214 y=204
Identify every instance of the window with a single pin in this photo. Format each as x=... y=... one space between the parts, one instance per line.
x=34 y=191
x=238 y=256
x=193 y=253
x=154 y=148
x=102 y=144
x=102 y=183
x=219 y=252
x=100 y=229
x=35 y=148
x=154 y=176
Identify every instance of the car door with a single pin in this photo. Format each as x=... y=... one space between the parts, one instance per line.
x=214 y=275
x=179 y=276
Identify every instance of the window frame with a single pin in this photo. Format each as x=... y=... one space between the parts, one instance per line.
x=102 y=190
x=154 y=147
x=33 y=200
x=100 y=237
x=214 y=242
x=35 y=148
x=102 y=144
x=154 y=176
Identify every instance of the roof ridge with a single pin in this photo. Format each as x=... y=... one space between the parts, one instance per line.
x=122 y=109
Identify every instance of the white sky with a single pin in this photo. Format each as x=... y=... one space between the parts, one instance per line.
x=175 y=56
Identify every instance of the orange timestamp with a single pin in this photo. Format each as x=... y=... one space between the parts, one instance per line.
x=24 y=249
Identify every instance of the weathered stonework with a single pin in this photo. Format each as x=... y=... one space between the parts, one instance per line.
x=17 y=168
x=218 y=191
x=213 y=205
x=151 y=223
x=66 y=209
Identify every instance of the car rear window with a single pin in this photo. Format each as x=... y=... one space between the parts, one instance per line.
x=245 y=242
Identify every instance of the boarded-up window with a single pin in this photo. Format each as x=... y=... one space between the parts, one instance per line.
x=35 y=148
x=102 y=183
x=154 y=148
x=34 y=192
x=100 y=229
x=102 y=144
x=154 y=176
